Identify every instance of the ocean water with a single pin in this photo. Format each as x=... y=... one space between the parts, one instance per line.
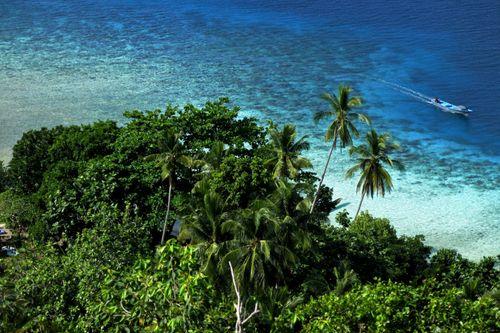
x=77 y=61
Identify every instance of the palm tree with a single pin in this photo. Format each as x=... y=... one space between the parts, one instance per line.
x=203 y=226
x=287 y=161
x=342 y=127
x=170 y=157
x=288 y=195
x=257 y=249
x=371 y=159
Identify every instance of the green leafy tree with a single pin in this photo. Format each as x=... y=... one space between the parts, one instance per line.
x=12 y=307
x=17 y=211
x=371 y=159
x=3 y=177
x=57 y=287
x=286 y=160
x=341 y=128
x=392 y=307
x=449 y=269
x=210 y=163
x=242 y=179
x=215 y=156
x=140 y=136
x=216 y=121
x=84 y=142
x=373 y=249
x=165 y=293
x=30 y=159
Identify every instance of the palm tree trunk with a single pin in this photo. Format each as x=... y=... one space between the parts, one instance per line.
x=168 y=210
x=323 y=175
x=359 y=207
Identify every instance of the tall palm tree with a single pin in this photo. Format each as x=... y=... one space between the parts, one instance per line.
x=372 y=157
x=171 y=156
x=341 y=128
x=287 y=161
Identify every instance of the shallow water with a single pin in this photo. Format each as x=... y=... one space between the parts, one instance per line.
x=77 y=61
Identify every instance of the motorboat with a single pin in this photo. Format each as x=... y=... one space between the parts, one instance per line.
x=448 y=107
x=442 y=105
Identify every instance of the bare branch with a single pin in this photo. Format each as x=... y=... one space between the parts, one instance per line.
x=255 y=311
x=239 y=305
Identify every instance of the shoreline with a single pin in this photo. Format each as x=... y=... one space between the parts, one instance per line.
x=459 y=216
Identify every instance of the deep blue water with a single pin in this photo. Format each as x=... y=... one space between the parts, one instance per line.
x=77 y=61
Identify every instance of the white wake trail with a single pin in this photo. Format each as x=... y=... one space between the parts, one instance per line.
x=397 y=87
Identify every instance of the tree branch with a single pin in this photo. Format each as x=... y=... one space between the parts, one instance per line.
x=255 y=311
x=239 y=305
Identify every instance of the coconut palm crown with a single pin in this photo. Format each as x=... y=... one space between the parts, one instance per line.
x=258 y=247
x=203 y=226
x=371 y=159
x=287 y=161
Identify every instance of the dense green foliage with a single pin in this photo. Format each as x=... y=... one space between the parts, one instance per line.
x=394 y=307
x=17 y=211
x=3 y=177
x=89 y=204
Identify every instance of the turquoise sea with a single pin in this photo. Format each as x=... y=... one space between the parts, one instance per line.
x=77 y=61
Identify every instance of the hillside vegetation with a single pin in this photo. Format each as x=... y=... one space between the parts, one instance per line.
x=133 y=228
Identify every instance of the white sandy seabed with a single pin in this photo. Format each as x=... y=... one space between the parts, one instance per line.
x=465 y=218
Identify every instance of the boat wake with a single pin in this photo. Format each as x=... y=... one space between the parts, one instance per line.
x=444 y=106
x=402 y=89
x=407 y=91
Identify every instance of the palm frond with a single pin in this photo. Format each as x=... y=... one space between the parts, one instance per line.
x=152 y=157
x=320 y=115
x=166 y=170
x=363 y=118
x=303 y=163
x=398 y=165
x=355 y=101
x=331 y=133
x=351 y=171
x=301 y=144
